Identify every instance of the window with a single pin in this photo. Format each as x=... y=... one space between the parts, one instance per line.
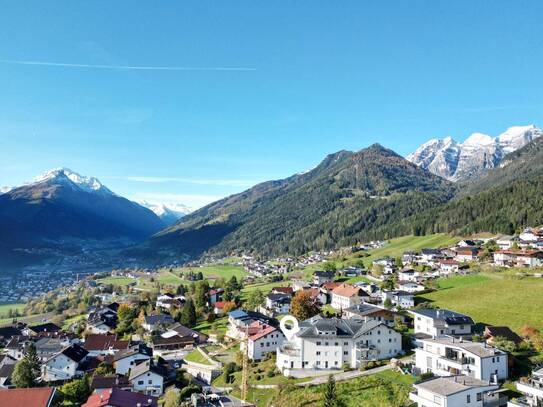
x=345 y=343
x=325 y=343
x=336 y=343
x=318 y=353
x=140 y=381
x=318 y=362
x=479 y=396
x=437 y=399
x=318 y=343
x=150 y=382
x=468 y=398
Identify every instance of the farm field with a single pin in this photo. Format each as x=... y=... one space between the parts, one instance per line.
x=493 y=298
x=225 y=271
x=4 y=308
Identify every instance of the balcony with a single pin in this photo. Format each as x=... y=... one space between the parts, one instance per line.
x=416 y=398
x=533 y=389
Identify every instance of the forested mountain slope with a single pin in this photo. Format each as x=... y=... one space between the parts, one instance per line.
x=350 y=196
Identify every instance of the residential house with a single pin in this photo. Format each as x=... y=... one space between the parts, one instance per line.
x=368 y=312
x=456 y=391
x=441 y=322
x=16 y=346
x=399 y=299
x=410 y=286
x=448 y=266
x=408 y=275
x=321 y=277
x=178 y=337
x=6 y=371
x=467 y=254
x=32 y=397
x=278 y=303
x=505 y=242
x=265 y=340
x=47 y=347
x=518 y=258
x=101 y=383
x=64 y=365
x=148 y=378
x=430 y=256
x=126 y=359
x=409 y=258
x=346 y=296
x=103 y=345
x=532 y=389
x=152 y=323
x=239 y=322
x=447 y=356
x=120 y=398
x=218 y=307
x=331 y=343
x=215 y=295
x=102 y=322
x=8 y=332
x=35 y=330
x=168 y=300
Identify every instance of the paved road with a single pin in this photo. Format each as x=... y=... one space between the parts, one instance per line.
x=340 y=376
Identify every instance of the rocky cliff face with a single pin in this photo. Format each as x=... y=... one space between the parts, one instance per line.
x=478 y=153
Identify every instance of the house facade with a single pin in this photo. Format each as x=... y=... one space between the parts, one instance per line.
x=345 y=296
x=441 y=322
x=331 y=343
x=450 y=357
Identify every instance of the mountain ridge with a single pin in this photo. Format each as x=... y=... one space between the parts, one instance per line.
x=477 y=154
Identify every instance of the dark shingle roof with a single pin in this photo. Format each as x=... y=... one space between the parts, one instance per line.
x=75 y=352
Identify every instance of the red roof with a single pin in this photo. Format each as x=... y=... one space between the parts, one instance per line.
x=220 y=304
x=283 y=290
x=267 y=330
x=120 y=398
x=34 y=397
x=331 y=285
x=104 y=342
x=449 y=261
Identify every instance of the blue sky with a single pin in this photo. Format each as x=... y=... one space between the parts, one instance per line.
x=309 y=78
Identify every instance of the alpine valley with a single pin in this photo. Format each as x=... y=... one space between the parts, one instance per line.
x=77 y=223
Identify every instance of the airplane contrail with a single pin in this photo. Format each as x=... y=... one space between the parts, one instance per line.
x=126 y=67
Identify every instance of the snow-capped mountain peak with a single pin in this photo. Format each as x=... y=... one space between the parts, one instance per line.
x=458 y=161
x=168 y=212
x=478 y=139
x=88 y=184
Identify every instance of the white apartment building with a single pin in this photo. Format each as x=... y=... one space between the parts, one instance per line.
x=329 y=343
x=448 y=356
x=64 y=365
x=440 y=322
x=455 y=391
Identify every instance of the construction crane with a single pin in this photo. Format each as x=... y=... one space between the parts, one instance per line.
x=245 y=366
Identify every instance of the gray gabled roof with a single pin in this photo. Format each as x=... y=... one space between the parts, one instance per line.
x=340 y=328
x=449 y=385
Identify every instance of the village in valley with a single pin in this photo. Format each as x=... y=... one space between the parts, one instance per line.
x=419 y=320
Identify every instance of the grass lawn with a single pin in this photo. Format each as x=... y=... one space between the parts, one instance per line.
x=264 y=287
x=207 y=328
x=385 y=389
x=117 y=281
x=4 y=308
x=197 y=357
x=212 y=272
x=493 y=298
x=169 y=278
x=396 y=247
